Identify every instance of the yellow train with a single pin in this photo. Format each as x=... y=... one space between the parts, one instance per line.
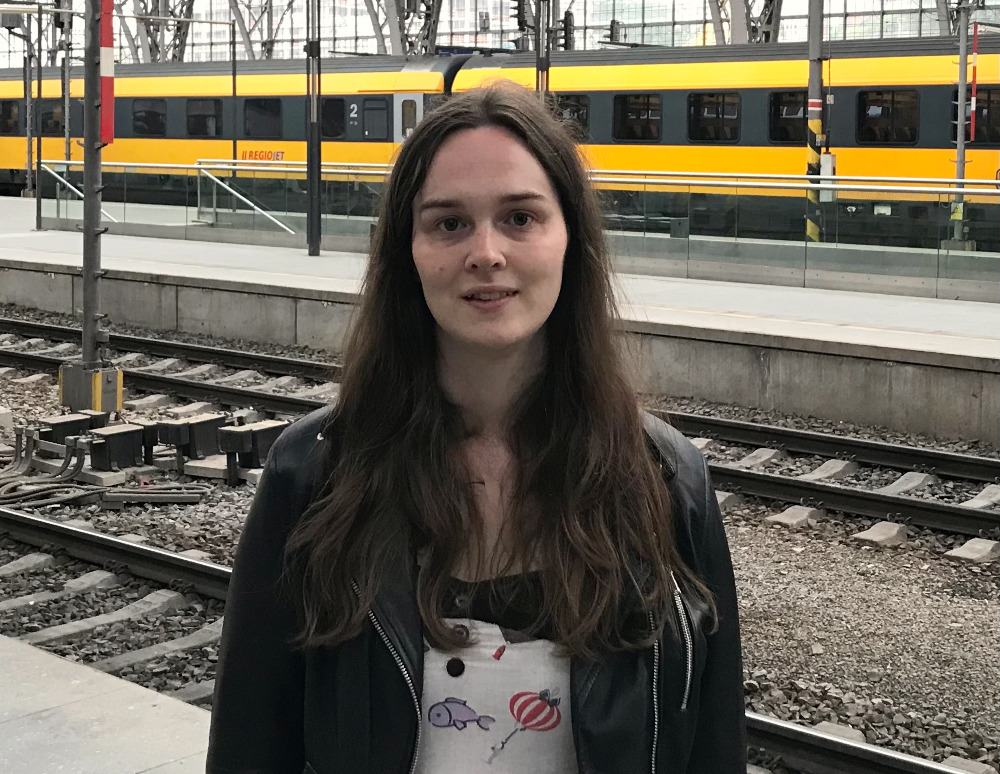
x=890 y=110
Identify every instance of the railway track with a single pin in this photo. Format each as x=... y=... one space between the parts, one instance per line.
x=799 y=746
x=923 y=512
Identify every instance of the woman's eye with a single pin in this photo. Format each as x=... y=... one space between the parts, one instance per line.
x=450 y=224
x=521 y=219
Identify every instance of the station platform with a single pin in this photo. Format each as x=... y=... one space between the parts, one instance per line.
x=57 y=716
x=909 y=363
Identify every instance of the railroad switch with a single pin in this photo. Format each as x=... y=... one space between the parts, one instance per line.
x=97 y=418
x=116 y=447
x=57 y=428
x=194 y=437
x=97 y=389
x=247 y=446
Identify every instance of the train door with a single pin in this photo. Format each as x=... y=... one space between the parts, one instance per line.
x=408 y=109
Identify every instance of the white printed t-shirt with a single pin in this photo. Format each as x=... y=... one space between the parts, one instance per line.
x=500 y=705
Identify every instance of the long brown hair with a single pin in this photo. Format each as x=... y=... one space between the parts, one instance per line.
x=601 y=532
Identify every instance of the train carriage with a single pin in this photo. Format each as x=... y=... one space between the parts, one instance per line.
x=890 y=111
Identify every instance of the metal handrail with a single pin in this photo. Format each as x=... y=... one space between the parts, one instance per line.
x=802 y=186
x=74 y=189
x=692 y=182
x=228 y=165
x=654 y=173
x=240 y=162
x=770 y=176
x=245 y=200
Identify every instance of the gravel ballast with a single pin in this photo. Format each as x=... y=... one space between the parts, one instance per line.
x=124 y=636
x=174 y=670
x=881 y=624
x=20 y=621
x=47 y=579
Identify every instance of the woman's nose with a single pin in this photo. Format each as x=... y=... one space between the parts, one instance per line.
x=485 y=249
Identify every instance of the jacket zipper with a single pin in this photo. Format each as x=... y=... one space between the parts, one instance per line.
x=688 y=642
x=406 y=676
x=656 y=696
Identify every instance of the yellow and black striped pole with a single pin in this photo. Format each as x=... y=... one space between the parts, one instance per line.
x=814 y=126
x=814 y=131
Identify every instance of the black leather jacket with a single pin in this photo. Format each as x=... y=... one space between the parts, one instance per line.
x=676 y=708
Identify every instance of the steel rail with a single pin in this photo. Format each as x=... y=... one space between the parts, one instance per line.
x=862 y=450
x=20 y=359
x=859 y=502
x=186 y=388
x=233 y=396
x=157 y=564
x=817 y=753
x=196 y=353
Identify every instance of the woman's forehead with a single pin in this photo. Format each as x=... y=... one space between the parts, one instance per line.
x=484 y=160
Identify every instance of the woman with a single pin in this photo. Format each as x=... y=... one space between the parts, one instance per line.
x=484 y=557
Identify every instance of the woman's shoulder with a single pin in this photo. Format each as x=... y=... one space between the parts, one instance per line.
x=682 y=463
x=302 y=440
x=295 y=461
x=692 y=497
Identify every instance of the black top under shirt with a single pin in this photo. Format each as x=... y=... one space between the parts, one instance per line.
x=511 y=602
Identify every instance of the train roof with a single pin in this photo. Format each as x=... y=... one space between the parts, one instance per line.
x=850 y=49
x=332 y=65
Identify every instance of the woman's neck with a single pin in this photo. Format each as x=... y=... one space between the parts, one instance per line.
x=485 y=384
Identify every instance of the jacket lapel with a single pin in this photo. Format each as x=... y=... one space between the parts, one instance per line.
x=395 y=607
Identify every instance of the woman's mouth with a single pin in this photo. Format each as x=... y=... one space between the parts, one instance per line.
x=495 y=296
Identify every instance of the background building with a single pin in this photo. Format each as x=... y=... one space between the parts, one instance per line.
x=277 y=28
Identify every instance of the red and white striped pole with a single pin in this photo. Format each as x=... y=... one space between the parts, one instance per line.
x=107 y=72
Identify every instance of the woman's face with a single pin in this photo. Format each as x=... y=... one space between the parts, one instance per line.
x=489 y=241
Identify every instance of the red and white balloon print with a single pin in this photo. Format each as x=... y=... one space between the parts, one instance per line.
x=532 y=712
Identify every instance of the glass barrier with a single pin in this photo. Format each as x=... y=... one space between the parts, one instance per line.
x=921 y=237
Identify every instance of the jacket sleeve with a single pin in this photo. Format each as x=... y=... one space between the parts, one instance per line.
x=720 y=734
x=257 y=714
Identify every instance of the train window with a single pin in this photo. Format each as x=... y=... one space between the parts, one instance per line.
x=636 y=117
x=888 y=116
x=376 y=119
x=987 y=116
x=51 y=118
x=575 y=108
x=714 y=117
x=9 y=116
x=149 y=117
x=331 y=116
x=204 y=117
x=262 y=119
x=409 y=116
x=787 y=118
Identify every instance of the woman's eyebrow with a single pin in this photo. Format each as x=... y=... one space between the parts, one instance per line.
x=447 y=204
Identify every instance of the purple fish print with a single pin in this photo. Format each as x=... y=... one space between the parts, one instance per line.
x=457 y=713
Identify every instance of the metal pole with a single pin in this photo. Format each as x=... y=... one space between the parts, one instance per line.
x=29 y=117
x=814 y=127
x=542 y=43
x=38 y=134
x=314 y=146
x=66 y=65
x=958 y=207
x=232 y=56
x=91 y=182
